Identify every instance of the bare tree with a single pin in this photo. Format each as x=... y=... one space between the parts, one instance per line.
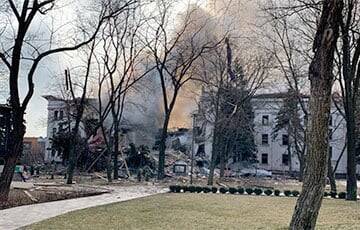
x=174 y=53
x=306 y=15
x=349 y=74
x=321 y=78
x=79 y=104
x=13 y=58
x=123 y=63
x=289 y=39
x=226 y=92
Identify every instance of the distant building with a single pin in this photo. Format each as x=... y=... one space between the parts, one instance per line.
x=272 y=153
x=60 y=116
x=33 y=150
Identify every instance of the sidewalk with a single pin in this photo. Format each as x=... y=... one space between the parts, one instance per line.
x=21 y=216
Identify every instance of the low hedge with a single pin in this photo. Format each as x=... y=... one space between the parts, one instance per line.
x=277 y=192
x=184 y=188
x=258 y=191
x=287 y=193
x=342 y=195
x=333 y=194
x=268 y=192
x=326 y=194
x=232 y=190
x=249 y=191
x=295 y=193
x=223 y=190
x=241 y=190
x=191 y=189
x=172 y=188
x=198 y=189
x=175 y=188
x=214 y=189
x=206 y=189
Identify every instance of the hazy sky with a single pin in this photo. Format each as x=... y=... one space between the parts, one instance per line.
x=36 y=116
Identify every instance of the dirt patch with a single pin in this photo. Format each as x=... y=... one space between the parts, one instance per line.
x=41 y=194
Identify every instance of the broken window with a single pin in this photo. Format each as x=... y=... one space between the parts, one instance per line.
x=56 y=113
x=201 y=150
x=61 y=115
x=285 y=139
x=265 y=139
x=264 y=159
x=285 y=159
x=265 y=120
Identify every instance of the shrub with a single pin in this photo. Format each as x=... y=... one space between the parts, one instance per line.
x=295 y=193
x=333 y=194
x=249 y=191
x=268 y=192
x=183 y=188
x=172 y=188
x=326 y=194
x=223 y=190
x=258 y=191
x=232 y=190
x=191 y=189
x=277 y=192
x=177 y=188
x=198 y=189
x=241 y=190
x=206 y=189
x=287 y=193
x=342 y=195
x=214 y=190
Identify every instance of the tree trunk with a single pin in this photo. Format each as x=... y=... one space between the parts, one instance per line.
x=116 y=152
x=72 y=152
x=162 y=147
x=72 y=163
x=321 y=78
x=15 y=147
x=108 y=166
x=351 y=180
x=301 y=171
x=309 y=202
x=214 y=155
x=331 y=175
x=222 y=159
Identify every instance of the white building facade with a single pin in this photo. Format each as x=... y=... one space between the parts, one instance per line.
x=60 y=113
x=272 y=152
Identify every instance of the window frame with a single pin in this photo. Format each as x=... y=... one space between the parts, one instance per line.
x=267 y=139
x=267 y=158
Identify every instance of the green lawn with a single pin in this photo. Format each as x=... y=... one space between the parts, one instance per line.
x=203 y=211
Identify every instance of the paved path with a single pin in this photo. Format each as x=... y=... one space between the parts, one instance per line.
x=17 y=217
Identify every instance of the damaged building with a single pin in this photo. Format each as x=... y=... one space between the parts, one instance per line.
x=272 y=153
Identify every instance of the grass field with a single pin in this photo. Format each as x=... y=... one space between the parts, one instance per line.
x=203 y=211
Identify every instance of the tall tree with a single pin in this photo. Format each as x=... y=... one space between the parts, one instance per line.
x=121 y=65
x=288 y=118
x=225 y=101
x=321 y=79
x=174 y=53
x=349 y=80
x=14 y=56
x=301 y=17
